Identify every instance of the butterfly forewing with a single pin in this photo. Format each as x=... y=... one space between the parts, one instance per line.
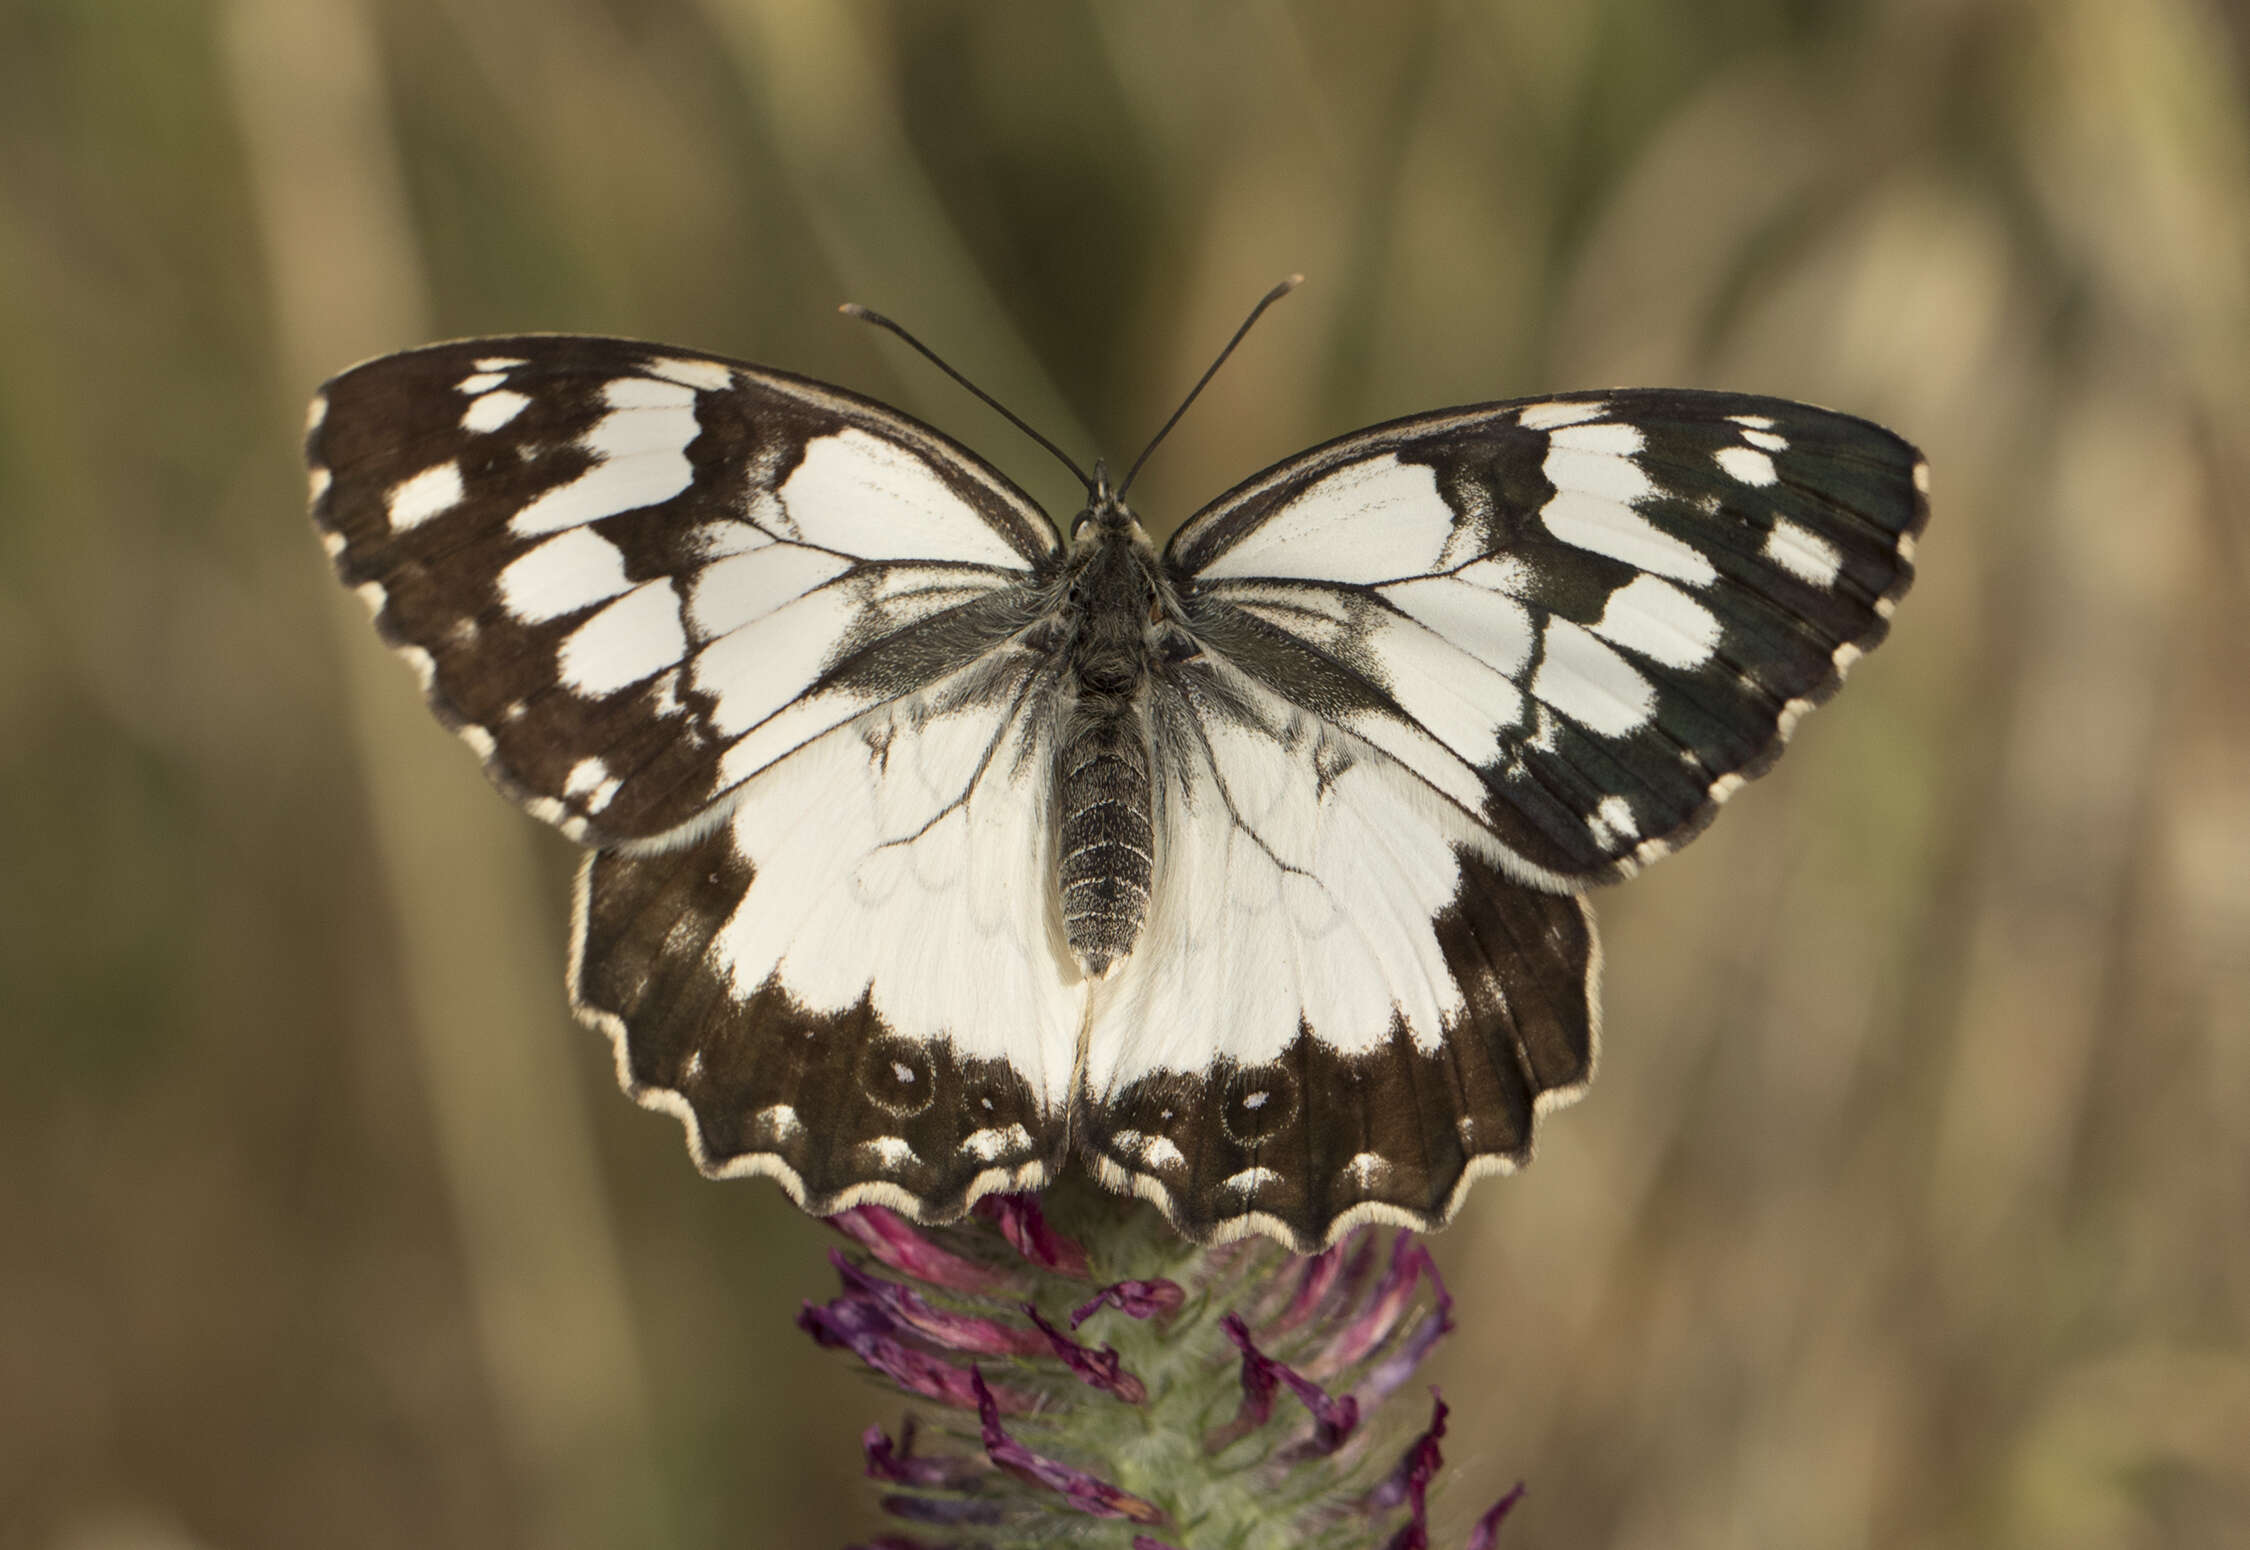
x=1584 y=620
x=632 y=578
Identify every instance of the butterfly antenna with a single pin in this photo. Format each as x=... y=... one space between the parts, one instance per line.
x=853 y=309
x=1265 y=301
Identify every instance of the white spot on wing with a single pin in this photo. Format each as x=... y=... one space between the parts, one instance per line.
x=643 y=393
x=317 y=480
x=1250 y=1179
x=1601 y=525
x=1612 y=439
x=1803 y=553
x=709 y=376
x=890 y=1152
x=1766 y=441
x=778 y=1121
x=430 y=493
x=640 y=459
x=481 y=382
x=1366 y=1169
x=1658 y=620
x=1589 y=683
x=1371 y=521
x=499 y=363
x=1545 y=417
x=1921 y=476
x=316 y=412
x=575 y=569
x=585 y=776
x=492 y=410
x=634 y=638
x=988 y=1145
x=1747 y=464
x=1612 y=820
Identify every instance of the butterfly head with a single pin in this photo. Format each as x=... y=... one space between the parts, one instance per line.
x=1104 y=514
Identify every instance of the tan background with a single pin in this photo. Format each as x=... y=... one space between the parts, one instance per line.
x=1912 y=1206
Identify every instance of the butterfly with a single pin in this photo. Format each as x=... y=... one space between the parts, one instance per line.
x=930 y=848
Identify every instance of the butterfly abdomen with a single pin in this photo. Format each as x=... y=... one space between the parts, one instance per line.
x=1107 y=840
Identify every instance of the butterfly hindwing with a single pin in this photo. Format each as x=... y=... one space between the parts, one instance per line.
x=1340 y=1008
x=632 y=578
x=848 y=985
x=1584 y=620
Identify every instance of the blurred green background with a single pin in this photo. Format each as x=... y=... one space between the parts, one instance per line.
x=1912 y=1205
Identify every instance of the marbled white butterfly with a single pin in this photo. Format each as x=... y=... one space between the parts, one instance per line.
x=928 y=848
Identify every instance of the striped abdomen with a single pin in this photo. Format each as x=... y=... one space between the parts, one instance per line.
x=1107 y=841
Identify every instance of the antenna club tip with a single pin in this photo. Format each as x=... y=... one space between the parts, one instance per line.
x=1291 y=282
x=851 y=309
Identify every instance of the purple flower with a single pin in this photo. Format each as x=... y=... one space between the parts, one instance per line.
x=1071 y=1435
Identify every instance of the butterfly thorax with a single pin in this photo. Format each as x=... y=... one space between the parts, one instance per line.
x=1105 y=850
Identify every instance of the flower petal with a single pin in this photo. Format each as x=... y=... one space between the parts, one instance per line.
x=891 y=1239
x=929 y=1471
x=1103 y=1369
x=1380 y=1316
x=1024 y=1225
x=1137 y=1299
x=960 y=1331
x=1488 y=1526
x=1087 y=1493
x=1410 y=1482
x=862 y=1329
x=1333 y=1419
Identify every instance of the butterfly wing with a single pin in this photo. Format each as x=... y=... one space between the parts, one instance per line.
x=754 y=639
x=1456 y=668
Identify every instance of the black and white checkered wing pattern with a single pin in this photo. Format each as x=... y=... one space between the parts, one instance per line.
x=632 y=578
x=1584 y=620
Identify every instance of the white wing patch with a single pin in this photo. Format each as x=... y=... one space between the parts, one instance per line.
x=1803 y=553
x=906 y=857
x=1586 y=681
x=431 y=493
x=632 y=639
x=1464 y=703
x=1472 y=612
x=859 y=494
x=1747 y=464
x=489 y=411
x=575 y=569
x=640 y=458
x=1300 y=873
x=1655 y=618
x=1371 y=520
